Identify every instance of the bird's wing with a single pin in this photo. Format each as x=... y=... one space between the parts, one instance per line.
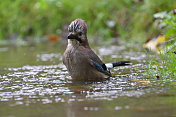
x=97 y=63
x=94 y=57
x=100 y=68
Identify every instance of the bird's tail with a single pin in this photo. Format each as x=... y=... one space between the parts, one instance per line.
x=115 y=64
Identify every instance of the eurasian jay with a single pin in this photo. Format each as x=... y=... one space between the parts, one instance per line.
x=81 y=62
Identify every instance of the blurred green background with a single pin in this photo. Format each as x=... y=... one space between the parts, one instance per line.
x=34 y=82
x=127 y=19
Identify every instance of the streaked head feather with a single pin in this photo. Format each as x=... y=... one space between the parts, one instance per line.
x=77 y=25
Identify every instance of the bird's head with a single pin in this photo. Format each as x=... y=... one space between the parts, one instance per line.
x=78 y=31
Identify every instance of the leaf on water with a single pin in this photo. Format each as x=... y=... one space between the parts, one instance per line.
x=140 y=82
x=140 y=109
x=173 y=83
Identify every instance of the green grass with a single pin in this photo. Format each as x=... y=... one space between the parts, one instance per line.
x=133 y=20
x=165 y=66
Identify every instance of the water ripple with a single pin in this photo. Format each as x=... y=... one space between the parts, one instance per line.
x=51 y=83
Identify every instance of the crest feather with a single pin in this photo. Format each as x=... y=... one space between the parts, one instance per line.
x=76 y=25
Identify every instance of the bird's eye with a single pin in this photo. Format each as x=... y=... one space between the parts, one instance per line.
x=80 y=33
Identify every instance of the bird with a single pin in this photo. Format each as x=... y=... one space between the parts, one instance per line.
x=80 y=60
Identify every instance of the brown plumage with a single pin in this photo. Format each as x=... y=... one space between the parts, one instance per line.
x=81 y=62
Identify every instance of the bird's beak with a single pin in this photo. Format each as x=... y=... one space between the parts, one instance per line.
x=71 y=36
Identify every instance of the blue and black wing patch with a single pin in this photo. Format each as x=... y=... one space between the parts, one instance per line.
x=101 y=68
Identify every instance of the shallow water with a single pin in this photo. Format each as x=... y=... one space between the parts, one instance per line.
x=35 y=83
